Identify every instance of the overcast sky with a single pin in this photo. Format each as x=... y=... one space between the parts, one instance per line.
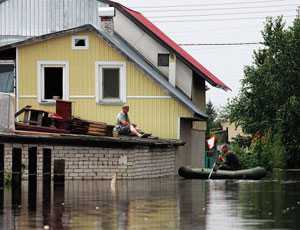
x=218 y=21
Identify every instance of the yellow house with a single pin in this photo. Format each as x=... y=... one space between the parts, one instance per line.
x=80 y=75
x=100 y=70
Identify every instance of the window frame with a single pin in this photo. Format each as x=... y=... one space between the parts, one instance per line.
x=163 y=54
x=13 y=63
x=100 y=65
x=41 y=80
x=85 y=37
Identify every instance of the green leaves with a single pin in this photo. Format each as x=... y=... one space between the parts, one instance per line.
x=270 y=95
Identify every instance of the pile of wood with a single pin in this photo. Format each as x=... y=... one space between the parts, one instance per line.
x=80 y=126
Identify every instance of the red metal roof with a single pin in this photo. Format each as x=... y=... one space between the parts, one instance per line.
x=211 y=78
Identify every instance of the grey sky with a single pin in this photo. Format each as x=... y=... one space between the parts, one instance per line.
x=218 y=21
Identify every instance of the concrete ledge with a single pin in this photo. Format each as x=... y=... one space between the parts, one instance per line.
x=23 y=137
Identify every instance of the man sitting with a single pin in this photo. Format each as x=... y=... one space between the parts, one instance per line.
x=231 y=161
x=124 y=127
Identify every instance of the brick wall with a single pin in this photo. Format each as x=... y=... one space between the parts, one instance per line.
x=101 y=163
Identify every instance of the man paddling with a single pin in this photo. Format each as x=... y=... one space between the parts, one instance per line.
x=229 y=160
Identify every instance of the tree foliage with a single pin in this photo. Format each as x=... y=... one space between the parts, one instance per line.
x=269 y=100
x=212 y=122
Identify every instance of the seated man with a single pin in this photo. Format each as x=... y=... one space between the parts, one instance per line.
x=231 y=161
x=124 y=127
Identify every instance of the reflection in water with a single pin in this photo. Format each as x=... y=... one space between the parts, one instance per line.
x=1 y=201
x=154 y=204
x=46 y=200
x=32 y=186
x=16 y=193
x=58 y=206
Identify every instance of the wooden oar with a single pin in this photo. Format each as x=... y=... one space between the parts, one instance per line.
x=213 y=167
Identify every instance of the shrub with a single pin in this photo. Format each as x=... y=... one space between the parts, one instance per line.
x=266 y=151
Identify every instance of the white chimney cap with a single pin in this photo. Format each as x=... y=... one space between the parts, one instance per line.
x=106 y=11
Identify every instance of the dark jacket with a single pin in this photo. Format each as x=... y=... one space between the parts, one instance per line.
x=232 y=162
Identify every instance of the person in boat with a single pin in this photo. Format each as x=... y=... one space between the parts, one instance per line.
x=228 y=160
x=124 y=126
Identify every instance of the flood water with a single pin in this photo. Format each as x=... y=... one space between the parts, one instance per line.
x=170 y=203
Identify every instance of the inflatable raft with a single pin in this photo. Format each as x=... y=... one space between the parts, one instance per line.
x=202 y=173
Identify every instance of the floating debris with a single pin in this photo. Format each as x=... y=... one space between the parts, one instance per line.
x=270 y=213
x=46 y=227
x=97 y=208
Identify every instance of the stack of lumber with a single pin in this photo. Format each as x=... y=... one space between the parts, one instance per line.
x=80 y=126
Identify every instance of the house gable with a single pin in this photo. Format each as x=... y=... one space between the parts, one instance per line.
x=151 y=105
x=82 y=66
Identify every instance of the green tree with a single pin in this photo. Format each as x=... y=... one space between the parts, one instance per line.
x=212 y=122
x=269 y=100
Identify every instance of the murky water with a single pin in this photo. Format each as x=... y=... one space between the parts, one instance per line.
x=154 y=204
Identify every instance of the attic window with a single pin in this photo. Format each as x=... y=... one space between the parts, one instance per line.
x=163 y=60
x=80 y=42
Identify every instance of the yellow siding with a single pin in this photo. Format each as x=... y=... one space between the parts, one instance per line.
x=158 y=116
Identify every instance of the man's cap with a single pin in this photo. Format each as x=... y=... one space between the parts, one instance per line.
x=125 y=106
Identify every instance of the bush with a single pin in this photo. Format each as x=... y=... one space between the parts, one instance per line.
x=266 y=151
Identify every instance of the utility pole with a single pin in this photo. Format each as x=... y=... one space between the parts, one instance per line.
x=298 y=12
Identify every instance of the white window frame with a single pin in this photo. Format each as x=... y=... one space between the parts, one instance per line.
x=100 y=65
x=41 y=79
x=85 y=37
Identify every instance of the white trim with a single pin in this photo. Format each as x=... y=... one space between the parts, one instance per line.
x=82 y=96
x=178 y=128
x=85 y=37
x=27 y=96
x=99 y=65
x=7 y=62
x=40 y=79
x=149 y=97
x=17 y=79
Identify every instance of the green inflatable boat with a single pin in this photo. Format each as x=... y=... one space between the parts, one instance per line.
x=202 y=173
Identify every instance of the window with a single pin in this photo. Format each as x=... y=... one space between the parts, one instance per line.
x=52 y=81
x=110 y=82
x=80 y=42
x=163 y=60
x=7 y=76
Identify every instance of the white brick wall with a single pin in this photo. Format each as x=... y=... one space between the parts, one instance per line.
x=102 y=163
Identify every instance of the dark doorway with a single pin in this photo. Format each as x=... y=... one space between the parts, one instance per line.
x=53 y=85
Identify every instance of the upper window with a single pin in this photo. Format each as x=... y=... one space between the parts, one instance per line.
x=52 y=81
x=163 y=60
x=80 y=42
x=7 y=76
x=110 y=82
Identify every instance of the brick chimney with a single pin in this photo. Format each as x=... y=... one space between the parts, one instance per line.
x=106 y=15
